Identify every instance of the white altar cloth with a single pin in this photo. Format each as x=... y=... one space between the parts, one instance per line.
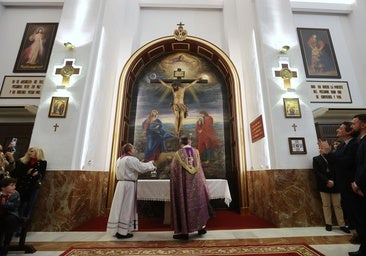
x=159 y=190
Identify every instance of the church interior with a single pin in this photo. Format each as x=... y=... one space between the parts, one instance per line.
x=275 y=75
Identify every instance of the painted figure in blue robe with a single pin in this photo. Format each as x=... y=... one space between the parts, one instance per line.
x=155 y=136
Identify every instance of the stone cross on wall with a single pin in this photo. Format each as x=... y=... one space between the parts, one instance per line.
x=67 y=71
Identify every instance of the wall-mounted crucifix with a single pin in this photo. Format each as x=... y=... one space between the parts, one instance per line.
x=67 y=71
x=294 y=126
x=55 y=126
x=286 y=74
x=178 y=87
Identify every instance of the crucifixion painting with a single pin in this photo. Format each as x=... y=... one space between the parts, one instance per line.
x=178 y=87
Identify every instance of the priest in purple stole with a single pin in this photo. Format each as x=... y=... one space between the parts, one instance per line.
x=188 y=192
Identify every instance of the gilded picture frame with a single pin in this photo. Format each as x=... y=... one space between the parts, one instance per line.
x=35 y=49
x=318 y=53
x=291 y=107
x=58 y=107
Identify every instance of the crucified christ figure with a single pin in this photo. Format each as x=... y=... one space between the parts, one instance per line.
x=178 y=88
x=178 y=107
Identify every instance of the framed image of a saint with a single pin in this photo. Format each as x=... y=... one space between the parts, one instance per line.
x=58 y=107
x=35 y=48
x=318 y=53
x=291 y=107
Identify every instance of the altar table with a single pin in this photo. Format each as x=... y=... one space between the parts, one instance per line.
x=159 y=190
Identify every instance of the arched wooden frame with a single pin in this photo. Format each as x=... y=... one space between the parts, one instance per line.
x=197 y=46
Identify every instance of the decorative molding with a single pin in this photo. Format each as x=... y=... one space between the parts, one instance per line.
x=319 y=7
x=38 y=3
x=297 y=6
x=212 y=4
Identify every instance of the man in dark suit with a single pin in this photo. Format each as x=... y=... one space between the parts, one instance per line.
x=342 y=161
x=359 y=183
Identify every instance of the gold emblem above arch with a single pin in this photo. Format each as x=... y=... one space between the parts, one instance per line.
x=193 y=45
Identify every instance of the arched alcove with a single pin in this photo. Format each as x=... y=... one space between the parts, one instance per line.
x=196 y=47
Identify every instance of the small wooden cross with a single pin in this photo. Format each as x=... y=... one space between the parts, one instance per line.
x=294 y=126
x=67 y=71
x=286 y=74
x=55 y=126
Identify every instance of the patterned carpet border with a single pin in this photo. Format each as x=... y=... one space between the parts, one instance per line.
x=253 y=250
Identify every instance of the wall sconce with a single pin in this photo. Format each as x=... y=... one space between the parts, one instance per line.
x=69 y=45
x=284 y=49
x=60 y=87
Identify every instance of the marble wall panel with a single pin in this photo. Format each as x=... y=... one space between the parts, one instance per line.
x=287 y=198
x=68 y=199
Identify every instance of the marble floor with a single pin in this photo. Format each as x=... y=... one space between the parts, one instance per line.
x=334 y=243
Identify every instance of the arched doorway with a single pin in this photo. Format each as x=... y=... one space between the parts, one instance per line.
x=202 y=49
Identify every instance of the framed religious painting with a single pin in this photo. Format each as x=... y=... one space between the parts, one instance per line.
x=297 y=145
x=291 y=107
x=35 y=49
x=58 y=107
x=318 y=53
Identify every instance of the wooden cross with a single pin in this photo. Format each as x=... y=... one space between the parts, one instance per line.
x=294 y=126
x=286 y=74
x=67 y=71
x=179 y=74
x=55 y=126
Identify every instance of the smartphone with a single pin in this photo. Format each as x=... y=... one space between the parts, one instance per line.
x=14 y=142
x=12 y=145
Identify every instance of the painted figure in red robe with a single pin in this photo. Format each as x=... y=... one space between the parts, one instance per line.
x=206 y=135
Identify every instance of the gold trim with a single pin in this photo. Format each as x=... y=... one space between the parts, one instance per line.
x=191 y=170
x=235 y=88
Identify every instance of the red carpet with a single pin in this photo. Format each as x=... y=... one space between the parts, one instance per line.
x=224 y=219
x=237 y=250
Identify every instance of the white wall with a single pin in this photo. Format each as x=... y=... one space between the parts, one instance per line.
x=115 y=29
x=347 y=65
x=353 y=27
x=12 y=24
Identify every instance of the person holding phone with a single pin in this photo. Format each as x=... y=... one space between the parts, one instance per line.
x=29 y=172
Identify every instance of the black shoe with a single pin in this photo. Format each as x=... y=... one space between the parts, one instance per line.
x=119 y=236
x=355 y=239
x=181 y=236
x=202 y=231
x=357 y=253
x=345 y=229
x=328 y=227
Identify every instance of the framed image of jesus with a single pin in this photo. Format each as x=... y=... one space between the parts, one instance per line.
x=35 y=48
